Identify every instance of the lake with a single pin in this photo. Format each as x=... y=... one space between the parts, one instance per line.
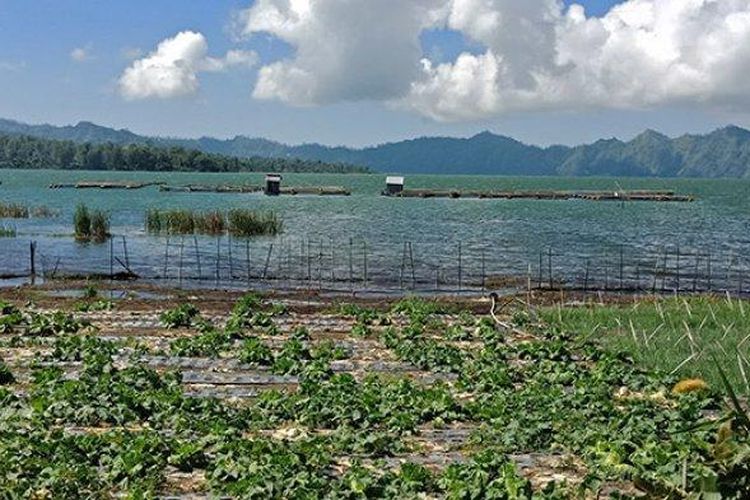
x=403 y=243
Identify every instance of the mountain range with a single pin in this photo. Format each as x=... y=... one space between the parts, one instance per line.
x=722 y=153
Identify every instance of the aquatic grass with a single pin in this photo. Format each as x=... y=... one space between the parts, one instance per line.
x=245 y=223
x=82 y=223
x=8 y=232
x=18 y=211
x=678 y=336
x=13 y=211
x=239 y=222
x=212 y=222
x=91 y=225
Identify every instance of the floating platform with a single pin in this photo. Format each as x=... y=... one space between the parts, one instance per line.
x=659 y=196
x=105 y=185
x=289 y=191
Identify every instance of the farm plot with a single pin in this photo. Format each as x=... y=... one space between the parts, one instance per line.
x=261 y=400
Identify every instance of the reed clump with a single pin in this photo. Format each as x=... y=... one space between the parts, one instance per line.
x=13 y=211
x=91 y=225
x=7 y=232
x=18 y=211
x=244 y=223
x=239 y=222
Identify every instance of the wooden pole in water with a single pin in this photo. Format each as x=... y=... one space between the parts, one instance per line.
x=364 y=250
x=484 y=275
x=333 y=260
x=549 y=267
x=179 y=273
x=309 y=264
x=320 y=264
x=413 y=271
x=606 y=270
x=247 y=261
x=268 y=261
x=403 y=265
x=541 y=268
x=111 y=259
x=351 y=262
x=166 y=256
x=586 y=277
x=32 y=257
x=231 y=260
x=218 y=260
x=197 y=257
x=695 y=272
x=677 y=256
x=622 y=268
x=125 y=252
x=460 y=265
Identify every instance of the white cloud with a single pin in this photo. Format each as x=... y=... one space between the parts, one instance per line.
x=81 y=54
x=537 y=54
x=358 y=49
x=172 y=69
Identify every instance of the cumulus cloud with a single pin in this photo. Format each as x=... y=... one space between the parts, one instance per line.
x=537 y=54
x=353 y=50
x=81 y=54
x=172 y=69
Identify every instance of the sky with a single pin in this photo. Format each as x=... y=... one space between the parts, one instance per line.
x=362 y=72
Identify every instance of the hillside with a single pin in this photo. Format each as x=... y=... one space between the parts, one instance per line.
x=722 y=153
x=24 y=151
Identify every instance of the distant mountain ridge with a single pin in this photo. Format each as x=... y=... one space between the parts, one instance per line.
x=722 y=153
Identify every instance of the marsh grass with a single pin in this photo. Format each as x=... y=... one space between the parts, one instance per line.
x=7 y=232
x=681 y=336
x=91 y=225
x=17 y=211
x=244 y=223
x=239 y=222
x=13 y=211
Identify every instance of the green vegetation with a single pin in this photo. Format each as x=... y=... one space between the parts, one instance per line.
x=19 y=151
x=679 y=336
x=238 y=222
x=16 y=211
x=123 y=428
x=7 y=232
x=245 y=223
x=90 y=225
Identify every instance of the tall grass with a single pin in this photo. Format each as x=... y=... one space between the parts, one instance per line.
x=17 y=211
x=91 y=225
x=244 y=223
x=239 y=222
x=680 y=336
x=82 y=223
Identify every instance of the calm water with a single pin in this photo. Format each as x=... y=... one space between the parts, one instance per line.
x=328 y=238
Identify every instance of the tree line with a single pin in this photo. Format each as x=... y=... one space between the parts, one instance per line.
x=19 y=151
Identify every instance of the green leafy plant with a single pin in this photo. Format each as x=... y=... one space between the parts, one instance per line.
x=181 y=316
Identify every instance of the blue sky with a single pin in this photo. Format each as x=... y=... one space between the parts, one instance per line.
x=41 y=82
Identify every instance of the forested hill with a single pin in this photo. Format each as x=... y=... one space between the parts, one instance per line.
x=22 y=151
x=722 y=153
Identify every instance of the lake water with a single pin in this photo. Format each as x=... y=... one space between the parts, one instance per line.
x=449 y=242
